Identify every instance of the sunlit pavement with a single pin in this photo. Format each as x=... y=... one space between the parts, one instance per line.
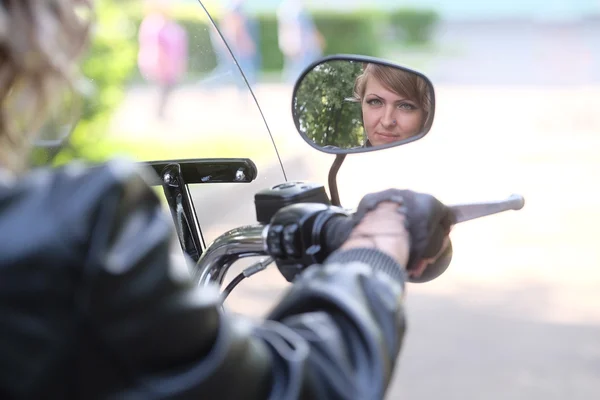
x=517 y=316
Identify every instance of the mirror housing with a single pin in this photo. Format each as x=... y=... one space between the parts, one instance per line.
x=346 y=104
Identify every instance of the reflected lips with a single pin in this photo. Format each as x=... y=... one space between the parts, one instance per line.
x=387 y=137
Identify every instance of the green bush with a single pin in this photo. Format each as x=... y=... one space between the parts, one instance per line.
x=415 y=26
x=271 y=57
x=343 y=33
x=350 y=32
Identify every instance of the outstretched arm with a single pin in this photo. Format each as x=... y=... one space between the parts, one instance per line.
x=336 y=333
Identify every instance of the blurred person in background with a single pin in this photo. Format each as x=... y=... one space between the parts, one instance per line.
x=299 y=39
x=240 y=31
x=163 y=47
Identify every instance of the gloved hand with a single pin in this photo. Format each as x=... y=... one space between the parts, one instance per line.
x=412 y=227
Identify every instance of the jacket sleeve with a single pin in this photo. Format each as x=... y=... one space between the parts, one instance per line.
x=335 y=335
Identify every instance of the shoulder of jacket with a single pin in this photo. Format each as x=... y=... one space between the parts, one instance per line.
x=118 y=172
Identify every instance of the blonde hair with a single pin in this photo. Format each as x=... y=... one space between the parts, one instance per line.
x=404 y=83
x=40 y=42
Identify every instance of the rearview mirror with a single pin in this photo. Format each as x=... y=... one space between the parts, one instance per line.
x=351 y=104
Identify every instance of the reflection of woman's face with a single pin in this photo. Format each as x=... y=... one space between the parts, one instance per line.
x=387 y=116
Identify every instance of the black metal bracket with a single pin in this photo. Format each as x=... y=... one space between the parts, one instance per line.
x=211 y=170
x=183 y=211
x=176 y=175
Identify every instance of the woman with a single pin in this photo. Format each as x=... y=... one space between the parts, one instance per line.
x=395 y=104
x=93 y=307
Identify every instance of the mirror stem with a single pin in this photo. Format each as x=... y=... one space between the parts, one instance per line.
x=333 y=190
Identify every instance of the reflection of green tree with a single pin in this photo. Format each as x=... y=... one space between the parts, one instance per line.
x=322 y=106
x=109 y=62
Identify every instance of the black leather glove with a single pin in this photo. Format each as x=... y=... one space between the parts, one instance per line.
x=428 y=220
x=436 y=269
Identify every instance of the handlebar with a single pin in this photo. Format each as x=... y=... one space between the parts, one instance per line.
x=238 y=243
x=251 y=240
x=467 y=212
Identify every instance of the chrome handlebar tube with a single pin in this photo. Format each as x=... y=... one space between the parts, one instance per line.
x=238 y=243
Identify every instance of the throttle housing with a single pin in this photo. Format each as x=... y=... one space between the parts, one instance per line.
x=297 y=236
x=268 y=201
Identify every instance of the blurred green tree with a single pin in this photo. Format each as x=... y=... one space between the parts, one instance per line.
x=415 y=26
x=324 y=108
x=110 y=61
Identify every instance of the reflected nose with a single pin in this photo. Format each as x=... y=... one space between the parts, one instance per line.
x=389 y=120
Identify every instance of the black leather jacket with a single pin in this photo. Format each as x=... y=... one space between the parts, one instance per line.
x=93 y=307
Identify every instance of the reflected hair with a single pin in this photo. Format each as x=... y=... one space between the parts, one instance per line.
x=401 y=82
x=40 y=43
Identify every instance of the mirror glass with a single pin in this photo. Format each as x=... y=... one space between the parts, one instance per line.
x=358 y=104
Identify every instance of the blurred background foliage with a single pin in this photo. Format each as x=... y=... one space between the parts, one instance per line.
x=110 y=71
x=356 y=31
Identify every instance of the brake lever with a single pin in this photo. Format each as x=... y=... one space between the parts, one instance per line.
x=467 y=212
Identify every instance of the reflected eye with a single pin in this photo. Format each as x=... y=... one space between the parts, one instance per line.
x=374 y=102
x=407 y=106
